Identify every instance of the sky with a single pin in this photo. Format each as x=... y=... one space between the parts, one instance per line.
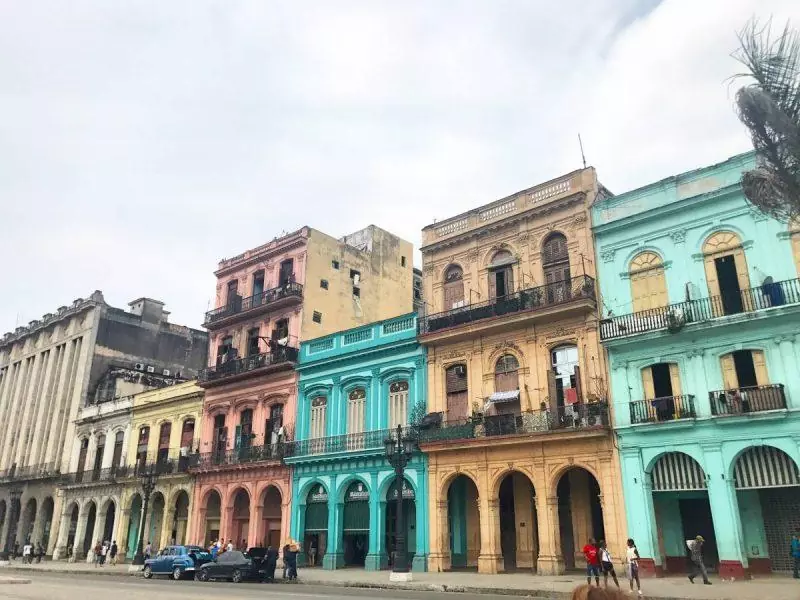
x=141 y=142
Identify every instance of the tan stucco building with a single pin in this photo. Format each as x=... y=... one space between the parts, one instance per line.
x=522 y=468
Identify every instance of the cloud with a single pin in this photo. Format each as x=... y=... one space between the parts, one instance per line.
x=140 y=142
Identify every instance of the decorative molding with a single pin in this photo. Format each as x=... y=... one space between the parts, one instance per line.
x=607 y=255
x=757 y=215
x=678 y=236
x=561 y=332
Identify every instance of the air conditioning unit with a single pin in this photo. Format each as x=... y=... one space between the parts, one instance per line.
x=151 y=369
x=139 y=367
x=166 y=372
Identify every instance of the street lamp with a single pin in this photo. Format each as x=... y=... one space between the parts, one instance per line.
x=399 y=449
x=148 y=475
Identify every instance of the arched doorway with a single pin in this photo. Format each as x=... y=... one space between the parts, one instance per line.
x=355 y=524
x=580 y=514
x=108 y=527
x=409 y=520
x=91 y=516
x=133 y=525
x=46 y=516
x=213 y=516
x=463 y=523
x=28 y=521
x=519 y=539
x=271 y=517
x=2 y=514
x=181 y=518
x=682 y=509
x=241 y=518
x=156 y=519
x=73 y=528
x=315 y=534
x=767 y=483
x=13 y=521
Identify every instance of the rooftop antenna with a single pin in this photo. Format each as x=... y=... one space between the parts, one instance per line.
x=583 y=156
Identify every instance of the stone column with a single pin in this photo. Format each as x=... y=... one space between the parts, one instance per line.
x=199 y=533
x=373 y=558
x=334 y=557
x=60 y=550
x=439 y=557
x=80 y=533
x=551 y=560
x=490 y=560
x=254 y=536
x=226 y=524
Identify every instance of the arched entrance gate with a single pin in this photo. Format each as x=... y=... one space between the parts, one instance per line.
x=315 y=536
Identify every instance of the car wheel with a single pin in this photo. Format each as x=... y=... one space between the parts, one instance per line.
x=202 y=575
x=148 y=572
x=237 y=576
x=177 y=574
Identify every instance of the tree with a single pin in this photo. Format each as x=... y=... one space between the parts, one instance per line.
x=769 y=106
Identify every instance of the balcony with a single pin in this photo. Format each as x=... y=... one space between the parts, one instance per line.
x=674 y=317
x=349 y=442
x=162 y=466
x=279 y=297
x=108 y=475
x=248 y=455
x=578 y=417
x=747 y=400
x=661 y=410
x=30 y=472
x=240 y=368
x=537 y=301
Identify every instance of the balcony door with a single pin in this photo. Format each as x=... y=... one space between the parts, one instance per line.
x=453 y=287
x=726 y=273
x=556 y=269
x=456 y=389
x=356 y=418
x=501 y=275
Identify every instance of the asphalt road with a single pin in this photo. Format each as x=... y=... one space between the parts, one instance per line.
x=76 y=587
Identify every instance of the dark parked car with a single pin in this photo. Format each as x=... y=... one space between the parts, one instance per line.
x=176 y=561
x=234 y=565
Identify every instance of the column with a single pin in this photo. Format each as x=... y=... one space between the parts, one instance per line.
x=80 y=532
x=439 y=557
x=122 y=533
x=727 y=519
x=489 y=560
x=641 y=514
x=373 y=558
x=298 y=532
x=374 y=403
x=254 y=535
x=108 y=450
x=199 y=533
x=60 y=550
x=380 y=533
x=226 y=524
x=551 y=561
x=334 y=558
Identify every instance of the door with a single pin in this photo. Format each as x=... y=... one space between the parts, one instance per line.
x=729 y=284
x=696 y=520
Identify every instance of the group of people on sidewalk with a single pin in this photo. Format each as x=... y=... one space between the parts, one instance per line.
x=599 y=559
x=29 y=552
x=103 y=551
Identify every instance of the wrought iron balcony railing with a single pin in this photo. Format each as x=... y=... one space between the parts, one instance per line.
x=659 y=410
x=746 y=400
x=350 y=442
x=238 y=366
x=161 y=466
x=569 y=418
x=239 y=456
x=242 y=305
x=30 y=472
x=531 y=299
x=674 y=316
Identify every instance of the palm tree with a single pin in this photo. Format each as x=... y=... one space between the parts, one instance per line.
x=769 y=106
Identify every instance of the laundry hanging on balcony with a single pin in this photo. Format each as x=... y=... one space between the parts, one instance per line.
x=501 y=398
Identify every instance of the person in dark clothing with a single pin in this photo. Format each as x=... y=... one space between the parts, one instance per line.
x=697 y=566
x=39 y=552
x=270 y=563
x=16 y=549
x=290 y=562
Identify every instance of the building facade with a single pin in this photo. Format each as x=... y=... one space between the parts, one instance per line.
x=355 y=388
x=166 y=425
x=84 y=354
x=701 y=303
x=302 y=285
x=522 y=466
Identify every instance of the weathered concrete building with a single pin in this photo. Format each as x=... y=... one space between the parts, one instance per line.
x=85 y=354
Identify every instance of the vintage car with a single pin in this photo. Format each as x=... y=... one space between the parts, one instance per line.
x=233 y=565
x=176 y=561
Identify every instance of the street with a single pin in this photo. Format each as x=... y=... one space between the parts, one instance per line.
x=57 y=587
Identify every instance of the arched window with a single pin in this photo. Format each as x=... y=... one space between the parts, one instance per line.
x=356 y=417
x=164 y=435
x=726 y=273
x=244 y=431
x=319 y=409
x=501 y=275
x=506 y=374
x=119 y=444
x=456 y=389
x=187 y=436
x=398 y=404
x=555 y=265
x=453 y=287
x=648 y=283
x=564 y=381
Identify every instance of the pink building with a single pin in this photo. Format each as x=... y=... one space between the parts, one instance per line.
x=300 y=286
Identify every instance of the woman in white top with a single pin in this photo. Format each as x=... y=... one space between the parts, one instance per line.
x=607 y=564
x=632 y=554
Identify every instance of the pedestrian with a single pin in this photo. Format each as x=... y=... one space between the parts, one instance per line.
x=632 y=554
x=291 y=571
x=229 y=547
x=103 y=553
x=213 y=550
x=16 y=549
x=98 y=550
x=285 y=560
x=112 y=552
x=796 y=555
x=271 y=562
x=39 y=552
x=696 y=556
x=592 y=555
x=607 y=564
x=312 y=555
x=27 y=550
x=148 y=550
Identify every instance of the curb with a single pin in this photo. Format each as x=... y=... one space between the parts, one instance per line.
x=13 y=580
x=105 y=573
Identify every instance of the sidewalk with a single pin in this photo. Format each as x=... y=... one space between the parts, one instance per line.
x=517 y=584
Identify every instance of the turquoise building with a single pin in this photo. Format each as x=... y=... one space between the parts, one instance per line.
x=701 y=315
x=355 y=387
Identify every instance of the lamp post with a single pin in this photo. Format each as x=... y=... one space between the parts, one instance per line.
x=148 y=477
x=399 y=449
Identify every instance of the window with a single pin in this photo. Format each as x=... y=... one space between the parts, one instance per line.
x=244 y=431
x=98 y=455
x=319 y=407
x=648 y=283
x=141 y=447
x=662 y=384
x=453 y=287
x=323 y=283
x=398 y=404
x=335 y=264
x=220 y=440
x=280 y=334
x=164 y=435
x=501 y=275
x=564 y=381
x=187 y=434
x=744 y=369
x=356 y=410
x=456 y=389
x=119 y=440
x=726 y=273
x=258 y=285
x=233 y=287
x=402 y=261
x=355 y=275
x=506 y=374
x=286 y=273
x=273 y=425
x=82 y=455
x=555 y=265
x=317 y=317
x=356 y=292
x=252 y=341
x=225 y=350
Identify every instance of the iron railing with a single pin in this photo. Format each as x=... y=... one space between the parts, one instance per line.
x=543 y=296
x=674 y=316
x=666 y=408
x=239 y=456
x=30 y=472
x=284 y=354
x=350 y=442
x=241 y=305
x=574 y=417
x=747 y=400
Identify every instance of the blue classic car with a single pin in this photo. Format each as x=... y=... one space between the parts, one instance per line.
x=176 y=561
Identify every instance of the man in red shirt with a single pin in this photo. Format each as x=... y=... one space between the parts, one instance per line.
x=592 y=555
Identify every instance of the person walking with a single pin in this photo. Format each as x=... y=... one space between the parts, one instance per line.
x=103 y=553
x=27 y=550
x=148 y=550
x=97 y=551
x=16 y=549
x=112 y=552
x=696 y=556
x=607 y=564
x=795 y=547
x=271 y=562
x=291 y=570
x=312 y=555
x=632 y=555
x=39 y=552
x=592 y=555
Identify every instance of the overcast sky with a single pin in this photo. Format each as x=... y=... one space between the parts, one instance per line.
x=140 y=142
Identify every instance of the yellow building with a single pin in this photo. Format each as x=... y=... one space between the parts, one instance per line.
x=165 y=431
x=522 y=468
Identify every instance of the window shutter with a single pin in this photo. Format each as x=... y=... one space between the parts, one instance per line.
x=509 y=280
x=729 y=378
x=647 y=383
x=713 y=285
x=552 y=391
x=578 y=384
x=675 y=379
x=760 y=365
x=237 y=440
x=492 y=284
x=639 y=292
